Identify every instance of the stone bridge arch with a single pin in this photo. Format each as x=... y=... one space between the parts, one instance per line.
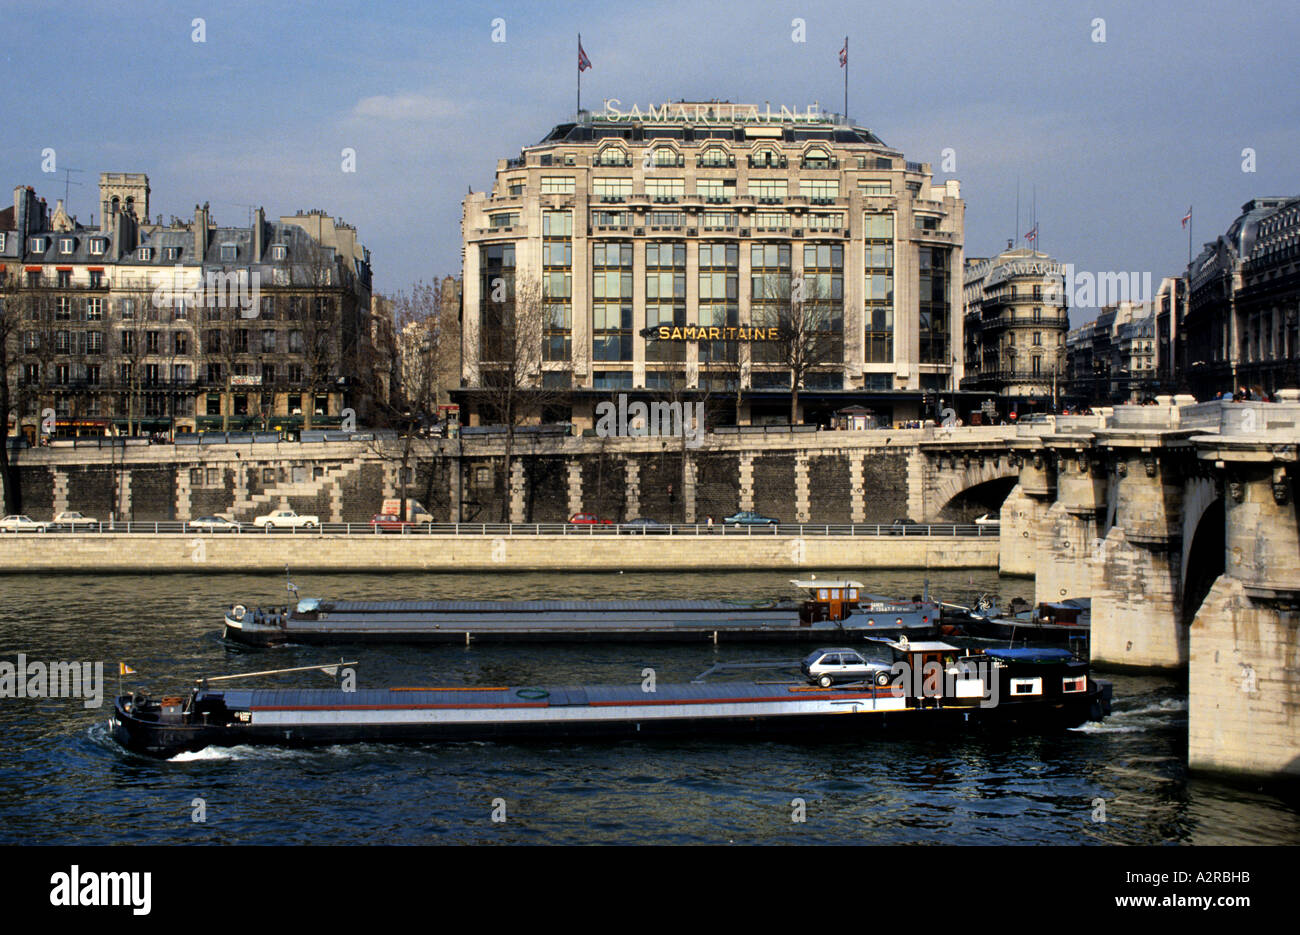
x=966 y=482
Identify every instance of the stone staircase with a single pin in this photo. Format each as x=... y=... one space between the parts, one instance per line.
x=246 y=508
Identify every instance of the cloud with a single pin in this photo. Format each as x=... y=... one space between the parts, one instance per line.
x=405 y=107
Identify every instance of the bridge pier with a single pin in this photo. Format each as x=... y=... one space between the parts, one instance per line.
x=1244 y=669
x=1072 y=525
x=1137 y=597
x=1024 y=512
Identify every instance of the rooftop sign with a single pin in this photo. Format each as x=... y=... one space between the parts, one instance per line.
x=713 y=111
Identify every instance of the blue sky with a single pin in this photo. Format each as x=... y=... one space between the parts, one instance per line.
x=1117 y=137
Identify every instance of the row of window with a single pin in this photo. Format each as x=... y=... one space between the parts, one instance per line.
x=67 y=374
x=94 y=308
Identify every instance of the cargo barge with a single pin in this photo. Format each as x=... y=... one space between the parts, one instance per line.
x=1042 y=693
x=832 y=609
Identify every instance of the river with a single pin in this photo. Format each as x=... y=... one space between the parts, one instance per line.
x=64 y=780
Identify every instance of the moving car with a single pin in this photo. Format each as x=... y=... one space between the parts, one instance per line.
x=389 y=521
x=588 y=519
x=750 y=518
x=826 y=667
x=74 y=519
x=286 y=519
x=645 y=526
x=989 y=519
x=212 y=523
x=16 y=522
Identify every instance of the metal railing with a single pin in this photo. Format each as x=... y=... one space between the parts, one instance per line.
x=865 y=530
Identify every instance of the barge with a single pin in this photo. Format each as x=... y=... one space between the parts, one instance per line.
x=1039 y=693
x=831 y=609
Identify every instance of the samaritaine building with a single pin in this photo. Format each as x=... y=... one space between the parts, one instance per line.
x=665 y=245
x=1016 y=325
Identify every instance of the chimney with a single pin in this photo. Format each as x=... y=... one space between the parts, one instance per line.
x=201 y=232
x=259 y=223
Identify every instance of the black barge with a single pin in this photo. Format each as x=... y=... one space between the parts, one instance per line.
x=832 y=609
x=938 y=689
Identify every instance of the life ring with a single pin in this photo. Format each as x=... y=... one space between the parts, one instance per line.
x=238 y=611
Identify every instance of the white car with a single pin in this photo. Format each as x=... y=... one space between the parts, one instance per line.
x=989 y=519
x=212 y=523
x=74 y=519
x=286 y=519
x=17 y=523
x=829 y=666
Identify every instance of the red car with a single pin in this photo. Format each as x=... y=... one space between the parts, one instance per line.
x=588 y=519
x=388 y=521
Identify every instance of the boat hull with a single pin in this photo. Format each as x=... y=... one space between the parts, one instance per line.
x=811 y=714
x=570 y=621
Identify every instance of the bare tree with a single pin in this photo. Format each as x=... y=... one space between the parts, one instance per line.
x=514 y=389
x=15 y=316
x=805 y=325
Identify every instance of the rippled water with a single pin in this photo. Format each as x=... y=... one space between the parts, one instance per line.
x=63 y=779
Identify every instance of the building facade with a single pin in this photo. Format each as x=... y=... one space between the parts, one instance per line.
x=1016 y=321
x=668 y=246
x=140 y=326
x=1240 y=324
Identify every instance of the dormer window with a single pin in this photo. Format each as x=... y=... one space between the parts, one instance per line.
x=65 y=244
x=97 y=246
x=146 y=253
x=228 y=252
x=279 y=251
x=2 y=240
x=38 y=245
x=172 y=253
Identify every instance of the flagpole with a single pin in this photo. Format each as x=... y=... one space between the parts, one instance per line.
x=846 y=80
x=579 y=113
x=1190 y=222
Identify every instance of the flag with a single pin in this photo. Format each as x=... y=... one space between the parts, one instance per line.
x=1187 y=217
x=124 y=669
x=844 y=54
x=583 y=62
x=1033 y=234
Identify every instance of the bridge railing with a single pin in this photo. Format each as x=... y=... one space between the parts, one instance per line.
x=865 y=530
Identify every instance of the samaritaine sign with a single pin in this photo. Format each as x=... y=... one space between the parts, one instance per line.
x=703 y=111
x=716 y=333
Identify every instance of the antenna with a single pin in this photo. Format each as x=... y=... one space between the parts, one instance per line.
x=67 y=181
x=240 y=204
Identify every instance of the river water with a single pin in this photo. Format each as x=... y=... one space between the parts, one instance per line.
x=64 y=781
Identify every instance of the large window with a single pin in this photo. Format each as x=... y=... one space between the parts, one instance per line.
x=611 y=307
x=769 y=290
x=878 y=304
x=932 y=289
x=768 y=188
x=611 y=188
x=665 y=298
x=823 y=278
x=719 y=302
x=496 y=299
x=665 y=189
x=820 y=189
x=557 y=185
x=557 y=281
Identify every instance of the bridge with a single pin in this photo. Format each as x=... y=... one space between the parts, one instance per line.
x=1179 y=521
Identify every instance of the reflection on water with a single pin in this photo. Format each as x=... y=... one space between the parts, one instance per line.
x=63 y=779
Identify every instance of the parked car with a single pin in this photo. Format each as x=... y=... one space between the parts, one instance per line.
x=389 y=521
x=588 y=519
x=213 y=523
x=826 y=667
x=750 y=518
x=286 y=519
x=74 y=519
x=645 y=526
x=15 y=522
